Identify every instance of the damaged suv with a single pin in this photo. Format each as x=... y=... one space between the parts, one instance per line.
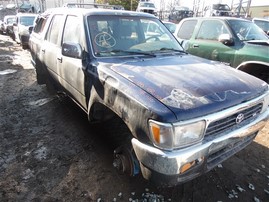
x=184 y=114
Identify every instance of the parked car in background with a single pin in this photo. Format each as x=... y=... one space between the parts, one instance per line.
x=179 y=115
x=171 y=26
x=8 y=24
x=21 y=28
x=1 y=27
x=147 y=7
x=235 y=42
x=178 y=13
x=262 y=23
x=217 y=10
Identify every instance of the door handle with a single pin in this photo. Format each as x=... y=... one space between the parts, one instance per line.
x=60 y=59
x=43 y=50
x=195 y=46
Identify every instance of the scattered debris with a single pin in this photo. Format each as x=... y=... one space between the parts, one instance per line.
x=266 y=191
x=233 y=194
x=240 y=188
x=40 y=102
x=120 y=195
x=251 y=186
x=41 y=153
x=7 y=71
x=256 y=199
x=99 y=200
x=220 y=166
x=133 y=193
x=6 y=58
x=258 y=170
x=263 y=166
x=153 y=197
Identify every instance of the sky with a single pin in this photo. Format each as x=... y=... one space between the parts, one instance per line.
x=189 y=3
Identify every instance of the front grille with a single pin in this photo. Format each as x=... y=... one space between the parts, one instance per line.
x=148 y=11
x=232 y=122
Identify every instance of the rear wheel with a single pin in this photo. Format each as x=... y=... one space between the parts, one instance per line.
x=51 y=85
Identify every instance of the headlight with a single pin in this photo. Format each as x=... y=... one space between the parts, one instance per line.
x=168 y=136
x=189 y=133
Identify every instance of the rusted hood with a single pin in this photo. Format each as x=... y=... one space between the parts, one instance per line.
x=191 y=84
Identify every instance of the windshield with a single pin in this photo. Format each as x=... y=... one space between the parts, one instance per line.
x=247 y=30
x=151 y=5
x=121 y=36
x=223 y=7
x=181 y=8
x=27 y=20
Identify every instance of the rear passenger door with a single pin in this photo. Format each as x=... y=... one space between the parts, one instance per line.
x=70 y=68
x=185 y=31
x=51 y=46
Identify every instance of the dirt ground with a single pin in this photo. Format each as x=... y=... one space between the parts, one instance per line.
x=49 y=152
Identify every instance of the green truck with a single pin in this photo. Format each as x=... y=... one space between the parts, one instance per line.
x=236 y=42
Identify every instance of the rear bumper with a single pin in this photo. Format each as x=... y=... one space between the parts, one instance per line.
x=24 y=39
x=169 y=168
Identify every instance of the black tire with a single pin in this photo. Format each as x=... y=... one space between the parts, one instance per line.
x=24 y=47
x=41 y=73
x=51 y=85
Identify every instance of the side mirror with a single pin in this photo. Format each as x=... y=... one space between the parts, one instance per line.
x=226 y=39
x=72 y=50
x=30 y=29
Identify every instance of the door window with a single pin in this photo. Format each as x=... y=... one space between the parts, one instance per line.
x=72 y=30
x=53 y=31
x=186 y=29
x=40 y=24
x=211 y=30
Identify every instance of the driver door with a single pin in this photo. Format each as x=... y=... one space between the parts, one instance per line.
x=206 y=44
x=71 y=74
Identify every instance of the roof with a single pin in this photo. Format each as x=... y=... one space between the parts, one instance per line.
x=97 y=11
x=219 y=18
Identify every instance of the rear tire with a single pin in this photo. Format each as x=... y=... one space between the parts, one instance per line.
x=51 y=85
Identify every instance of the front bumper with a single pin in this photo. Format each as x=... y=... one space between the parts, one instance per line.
x=170 y=168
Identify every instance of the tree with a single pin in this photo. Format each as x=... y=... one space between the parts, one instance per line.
x=127 y=4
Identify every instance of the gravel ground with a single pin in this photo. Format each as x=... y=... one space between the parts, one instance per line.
x=49 y=152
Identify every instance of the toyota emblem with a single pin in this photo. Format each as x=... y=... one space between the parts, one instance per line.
x=240 y=117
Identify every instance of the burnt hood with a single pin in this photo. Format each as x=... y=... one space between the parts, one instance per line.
x=190 y=86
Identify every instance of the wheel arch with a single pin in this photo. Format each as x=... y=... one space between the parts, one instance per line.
x=256 y=68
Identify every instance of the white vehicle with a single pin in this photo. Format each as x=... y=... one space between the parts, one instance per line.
x=21 y=28
x=217 y=10
x=147 y=7
x=262 y=23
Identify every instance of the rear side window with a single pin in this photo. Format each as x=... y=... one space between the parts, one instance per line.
x=186 y=29
x=54 y=28
x=40 y=24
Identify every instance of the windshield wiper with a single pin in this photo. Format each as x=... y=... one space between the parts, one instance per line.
x=132 y=52
x=172 y=49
